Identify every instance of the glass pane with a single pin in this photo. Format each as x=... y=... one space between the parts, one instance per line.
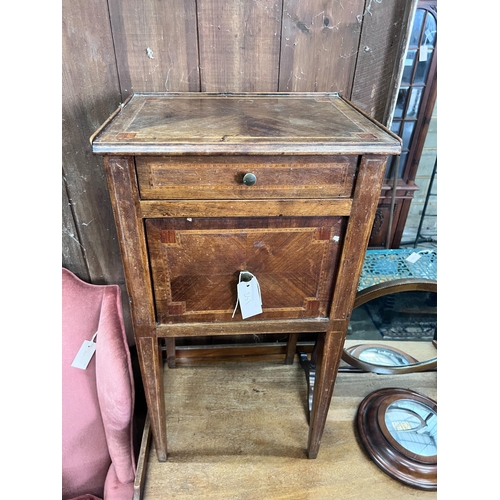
x=417 y=27
x=395 y=126
x=408 y=68
x=401 y=102
x=408 y=315
x=430 y=31
x=413 y=425
x=389 y=167
x=407 y=134
x=415 y=98
x=423 y=67
x=402 y=164
x=384 y=356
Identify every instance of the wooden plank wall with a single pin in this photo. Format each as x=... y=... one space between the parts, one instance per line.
x=112 y=48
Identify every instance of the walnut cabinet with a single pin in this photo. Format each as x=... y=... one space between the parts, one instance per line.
x=204 y=186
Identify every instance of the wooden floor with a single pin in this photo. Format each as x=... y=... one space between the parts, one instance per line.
x=238 y=430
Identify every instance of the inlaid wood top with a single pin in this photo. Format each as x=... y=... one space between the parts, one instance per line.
x=204 y=123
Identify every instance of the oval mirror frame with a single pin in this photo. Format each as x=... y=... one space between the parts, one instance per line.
x=380 y=290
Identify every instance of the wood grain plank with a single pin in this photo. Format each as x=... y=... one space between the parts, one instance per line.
x=90 y=94
x=239 y=45
x=319 y=45
x=380 y=61
x=245 y=208
x=156 y=45
x=237 y=431
x=246 y=327
x=72 y=250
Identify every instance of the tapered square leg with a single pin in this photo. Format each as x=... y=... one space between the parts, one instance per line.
x=151 y=364
x=328 y=352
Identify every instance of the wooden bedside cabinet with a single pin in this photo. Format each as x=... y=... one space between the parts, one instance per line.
x=205 y=186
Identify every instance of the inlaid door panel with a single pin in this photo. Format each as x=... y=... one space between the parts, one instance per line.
x=196 y=264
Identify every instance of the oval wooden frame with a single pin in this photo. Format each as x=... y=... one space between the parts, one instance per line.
x=418 y=472
x=380 y=290
x=357 y=350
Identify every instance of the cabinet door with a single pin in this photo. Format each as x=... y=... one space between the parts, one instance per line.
x=195 y=265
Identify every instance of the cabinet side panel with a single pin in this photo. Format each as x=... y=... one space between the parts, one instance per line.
x=366 y=196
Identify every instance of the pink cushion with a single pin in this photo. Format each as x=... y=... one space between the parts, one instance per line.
x=86 y=497
x=115 y=387
x=98 y=402
x=115 y=489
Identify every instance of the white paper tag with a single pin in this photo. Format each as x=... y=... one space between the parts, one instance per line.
x=249 y=297
x=84 y=355
x=423 y=53
x=413 y=257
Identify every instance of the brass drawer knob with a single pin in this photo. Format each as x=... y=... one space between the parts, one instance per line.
x=249 y=179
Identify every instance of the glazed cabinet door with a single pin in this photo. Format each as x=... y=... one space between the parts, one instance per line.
x=196 y=262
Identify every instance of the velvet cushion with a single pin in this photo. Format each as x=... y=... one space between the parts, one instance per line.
x=115 y=387
x=97 y=403
x=86 y=497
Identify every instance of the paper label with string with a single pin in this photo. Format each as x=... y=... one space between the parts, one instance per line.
x=84 y=355
x=249 y=297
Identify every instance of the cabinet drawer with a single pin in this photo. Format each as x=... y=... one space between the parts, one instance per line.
x=223 y=178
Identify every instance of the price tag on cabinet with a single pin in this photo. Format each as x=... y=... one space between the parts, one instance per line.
x=249 y=297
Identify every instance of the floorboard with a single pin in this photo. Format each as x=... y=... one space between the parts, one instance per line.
x=238 y=430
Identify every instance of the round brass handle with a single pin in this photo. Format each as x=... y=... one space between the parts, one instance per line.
x=249 y=179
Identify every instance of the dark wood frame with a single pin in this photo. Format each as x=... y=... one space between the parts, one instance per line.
x=411 y=469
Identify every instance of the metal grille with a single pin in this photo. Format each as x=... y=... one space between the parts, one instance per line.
x=386 y=265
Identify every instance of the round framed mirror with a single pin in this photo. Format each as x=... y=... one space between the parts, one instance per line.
x=397 y=310
x=398 y=429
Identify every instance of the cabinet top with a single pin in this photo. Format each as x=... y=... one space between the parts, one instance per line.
x=244 y=123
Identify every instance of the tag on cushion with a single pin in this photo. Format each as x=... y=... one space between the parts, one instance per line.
x=84 y=355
